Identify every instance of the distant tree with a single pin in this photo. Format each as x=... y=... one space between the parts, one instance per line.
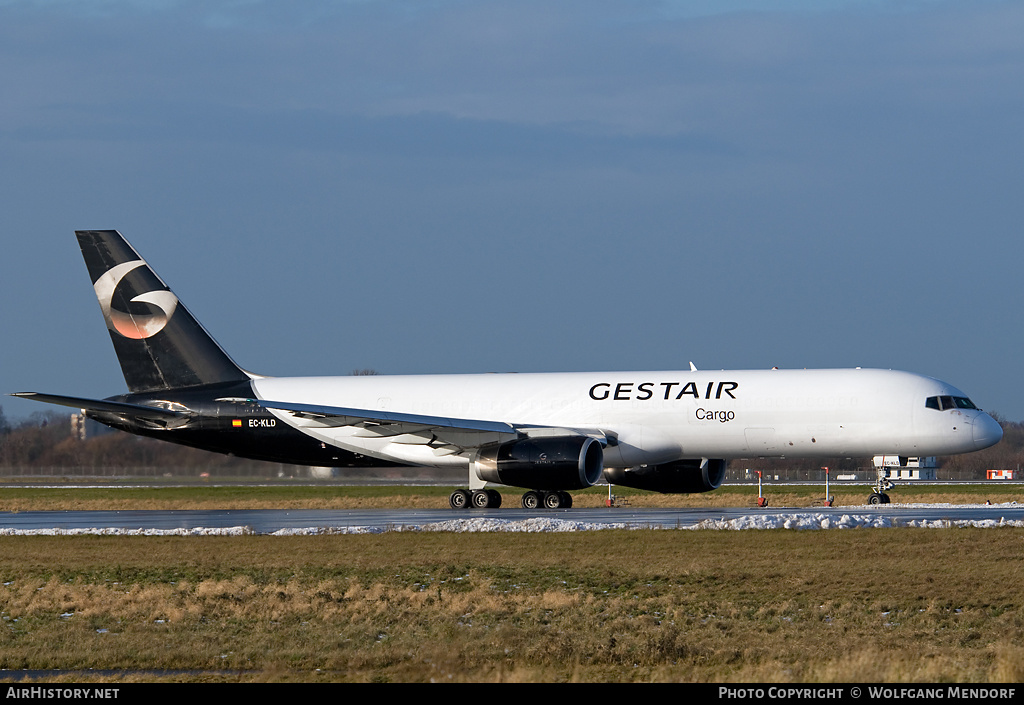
x=5 y=432
x=364 y=372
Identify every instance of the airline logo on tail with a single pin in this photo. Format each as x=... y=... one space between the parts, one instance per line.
x=129 y=325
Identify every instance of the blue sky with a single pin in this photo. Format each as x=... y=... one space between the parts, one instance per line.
x=452 y=186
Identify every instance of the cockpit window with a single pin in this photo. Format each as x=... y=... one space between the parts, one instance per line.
x=944 y=403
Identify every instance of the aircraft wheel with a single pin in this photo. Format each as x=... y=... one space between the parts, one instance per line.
x=884 y=497
x=495 y=496
x=552 y=500
x=566 y=500
x=459 y=499
x=876 y=498
x=531 y=500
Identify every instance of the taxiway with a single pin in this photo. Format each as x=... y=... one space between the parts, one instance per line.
x=271 y=521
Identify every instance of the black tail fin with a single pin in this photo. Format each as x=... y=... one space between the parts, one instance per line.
x=158 y=342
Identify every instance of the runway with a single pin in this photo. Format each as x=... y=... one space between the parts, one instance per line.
x=313 y=521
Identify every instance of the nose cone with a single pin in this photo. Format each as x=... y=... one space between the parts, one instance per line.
x=987 y=431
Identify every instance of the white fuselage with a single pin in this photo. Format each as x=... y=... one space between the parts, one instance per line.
x=659 y=417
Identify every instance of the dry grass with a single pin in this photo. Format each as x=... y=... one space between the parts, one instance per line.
x=341 y=497
x=766 y=606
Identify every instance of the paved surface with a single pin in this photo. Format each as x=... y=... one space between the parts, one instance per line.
x=268 y=521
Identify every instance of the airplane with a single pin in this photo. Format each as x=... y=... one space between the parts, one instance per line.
x=547 y=433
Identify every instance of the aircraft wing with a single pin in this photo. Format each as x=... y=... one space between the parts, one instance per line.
x=109 y=407
x=402 y=431
x=402 y=423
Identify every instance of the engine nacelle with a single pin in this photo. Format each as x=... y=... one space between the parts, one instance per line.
x=556 y=463
x=679 y=477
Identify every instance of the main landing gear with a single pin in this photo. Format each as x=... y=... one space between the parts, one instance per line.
x=491 y=499
x=477 y=499
x=549 y=500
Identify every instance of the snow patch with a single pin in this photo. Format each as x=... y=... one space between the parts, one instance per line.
x=845 y=521
x=98 y=531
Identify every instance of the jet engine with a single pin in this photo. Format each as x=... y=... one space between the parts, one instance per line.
x=685 y=476
x=555 y=463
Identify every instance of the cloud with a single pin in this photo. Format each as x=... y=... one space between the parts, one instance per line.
x=753 y=184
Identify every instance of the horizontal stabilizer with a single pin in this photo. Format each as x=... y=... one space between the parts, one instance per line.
x=110 y=407
x=351 y=417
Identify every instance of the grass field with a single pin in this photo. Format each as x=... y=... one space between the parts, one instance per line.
x=875 y=605
x=764 y=606
x=354 y=497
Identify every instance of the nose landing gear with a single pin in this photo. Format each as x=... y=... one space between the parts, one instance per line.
x=882 y=485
